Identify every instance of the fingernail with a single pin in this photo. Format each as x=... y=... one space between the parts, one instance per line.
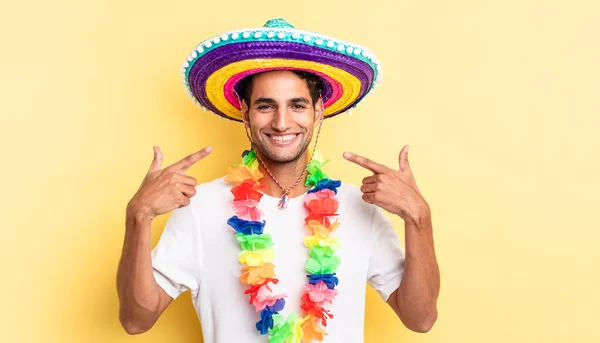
x=208 y=149
x=346 y=155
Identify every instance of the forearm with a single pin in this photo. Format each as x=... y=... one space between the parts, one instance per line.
x=138 y=291
x=418 y=292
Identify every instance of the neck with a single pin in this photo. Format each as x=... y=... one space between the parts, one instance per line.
x=286 y=174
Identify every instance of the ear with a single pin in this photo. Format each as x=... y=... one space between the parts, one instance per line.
x=319 y=109
x=244 y=110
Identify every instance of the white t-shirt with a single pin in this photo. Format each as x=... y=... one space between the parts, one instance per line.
x=198 y=251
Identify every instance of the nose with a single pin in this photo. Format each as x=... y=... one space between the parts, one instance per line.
x=281 y=120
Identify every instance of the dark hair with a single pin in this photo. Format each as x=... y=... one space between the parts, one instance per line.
x=314 y=83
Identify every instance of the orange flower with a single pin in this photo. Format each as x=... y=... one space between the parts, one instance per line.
x=257 y=275
x=241 y=173
x=315 y=227
x=312 y=330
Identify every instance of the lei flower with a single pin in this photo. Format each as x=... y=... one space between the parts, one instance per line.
x=258 y=252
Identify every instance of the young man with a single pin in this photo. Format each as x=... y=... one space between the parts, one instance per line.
x=278 y=207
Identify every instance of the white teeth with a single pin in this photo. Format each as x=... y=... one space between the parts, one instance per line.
x=283 y=138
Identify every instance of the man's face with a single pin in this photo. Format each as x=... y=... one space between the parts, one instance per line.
x=281 y=115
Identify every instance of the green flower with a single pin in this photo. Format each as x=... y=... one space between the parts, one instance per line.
x=282 y=329
x=322 y=260
x=254 y=242
x=250 y=160
x=315 y=169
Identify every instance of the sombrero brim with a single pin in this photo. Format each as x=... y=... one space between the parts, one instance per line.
x=214 y=69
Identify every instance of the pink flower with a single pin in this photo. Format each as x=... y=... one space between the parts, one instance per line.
x=247 y=210
x=265 y=297
x=320 y=294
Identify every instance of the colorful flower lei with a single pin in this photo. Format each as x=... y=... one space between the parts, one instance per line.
x=258 y=253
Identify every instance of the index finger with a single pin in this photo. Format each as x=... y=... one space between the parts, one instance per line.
x=183 y=165
x=365 y=163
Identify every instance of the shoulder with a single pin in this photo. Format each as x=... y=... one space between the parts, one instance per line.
x=351 y=202
x=216 y=185
x=215 y=191
x=349 y=189
x=350 y=196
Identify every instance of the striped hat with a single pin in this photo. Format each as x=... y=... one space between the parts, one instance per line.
x=214 y=69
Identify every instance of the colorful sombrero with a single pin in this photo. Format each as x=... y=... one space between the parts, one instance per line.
x=214 y=69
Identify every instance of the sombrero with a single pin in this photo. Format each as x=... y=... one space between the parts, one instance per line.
x=214 y=69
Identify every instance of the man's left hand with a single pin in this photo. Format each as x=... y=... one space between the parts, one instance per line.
x=393 y=190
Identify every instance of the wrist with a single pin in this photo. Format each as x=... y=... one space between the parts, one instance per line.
x=420 y=219
x=137 y=213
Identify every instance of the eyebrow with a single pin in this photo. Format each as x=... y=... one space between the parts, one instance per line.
x=302 y=100
x=271 y=101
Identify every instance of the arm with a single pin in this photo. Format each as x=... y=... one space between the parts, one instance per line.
x=415 y=301
x=142 y=301
x=397 y=192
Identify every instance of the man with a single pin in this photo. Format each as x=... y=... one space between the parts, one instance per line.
x=281 y=82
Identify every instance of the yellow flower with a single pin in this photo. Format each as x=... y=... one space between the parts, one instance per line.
x=317 y=156
x=322 y=240
x=257 y=257
x=297 y=331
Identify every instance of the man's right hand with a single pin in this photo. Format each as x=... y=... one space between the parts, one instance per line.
x=164 y=190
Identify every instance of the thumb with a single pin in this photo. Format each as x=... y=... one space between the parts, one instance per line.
x=403 y=158
x=157 y=161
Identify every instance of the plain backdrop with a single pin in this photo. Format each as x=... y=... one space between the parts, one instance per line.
x=499 y=100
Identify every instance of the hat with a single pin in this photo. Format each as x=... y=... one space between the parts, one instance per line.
x=214 y=69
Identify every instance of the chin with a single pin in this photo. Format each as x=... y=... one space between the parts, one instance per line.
x=283 y=154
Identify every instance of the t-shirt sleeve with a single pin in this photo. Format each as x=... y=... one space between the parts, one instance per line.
x=174 y=259
x=386 y=261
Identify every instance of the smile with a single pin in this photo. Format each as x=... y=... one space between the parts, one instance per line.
x=283 y=139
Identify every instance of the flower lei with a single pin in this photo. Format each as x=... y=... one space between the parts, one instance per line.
x=257 y=252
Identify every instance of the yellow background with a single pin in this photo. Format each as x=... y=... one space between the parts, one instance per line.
x=499 y=100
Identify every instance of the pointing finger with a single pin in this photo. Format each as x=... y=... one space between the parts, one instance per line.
x=183 y=165
x=403 y=158
x=365 y=163
x=157 y=160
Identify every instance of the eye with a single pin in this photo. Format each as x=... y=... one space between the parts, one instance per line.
x=263 y=107
x=298 y=107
